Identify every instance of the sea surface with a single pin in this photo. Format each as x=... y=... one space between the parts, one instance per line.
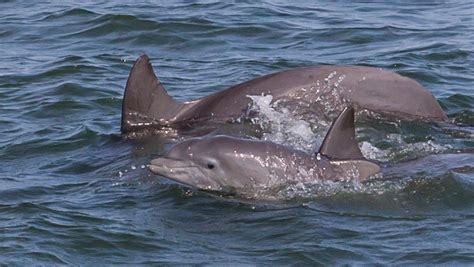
x=73 y=191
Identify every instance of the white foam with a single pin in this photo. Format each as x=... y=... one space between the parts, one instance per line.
x=400 y=148
x=371 y=152
x=281 y=126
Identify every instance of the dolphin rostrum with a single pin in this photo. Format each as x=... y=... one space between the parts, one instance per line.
x=222 y=163
x=321 y=91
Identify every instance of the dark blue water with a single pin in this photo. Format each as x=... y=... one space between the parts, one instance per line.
x=73 y=191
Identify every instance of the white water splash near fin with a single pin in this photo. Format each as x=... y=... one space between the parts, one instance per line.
x=371 y=152
x=401 y=148
x=281 y=126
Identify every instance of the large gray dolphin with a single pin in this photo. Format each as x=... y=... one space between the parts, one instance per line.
x=323 y=91
x=222 y=163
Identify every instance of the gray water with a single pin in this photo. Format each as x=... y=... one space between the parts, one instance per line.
x=73 y=191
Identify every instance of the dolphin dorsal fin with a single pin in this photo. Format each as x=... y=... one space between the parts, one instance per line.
x=145 y=99
x=340 y=141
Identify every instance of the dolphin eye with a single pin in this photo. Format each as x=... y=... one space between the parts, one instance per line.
x=210 y=166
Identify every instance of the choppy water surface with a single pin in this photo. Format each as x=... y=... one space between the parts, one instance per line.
x=73 y=191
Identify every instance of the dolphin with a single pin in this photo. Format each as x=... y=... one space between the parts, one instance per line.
x=229 y=164
x=457 y=161
x=320 y=91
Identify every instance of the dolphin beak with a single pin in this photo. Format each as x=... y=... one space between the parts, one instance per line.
x=182 y=171
x=165 y=166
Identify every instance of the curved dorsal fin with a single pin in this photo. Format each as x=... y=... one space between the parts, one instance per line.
x=145 y=99
x=340 y=142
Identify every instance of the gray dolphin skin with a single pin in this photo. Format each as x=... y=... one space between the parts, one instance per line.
x=223 y=163
x=322 y=90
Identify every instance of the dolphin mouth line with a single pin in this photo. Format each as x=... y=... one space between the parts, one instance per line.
x=154 y=167
x=171 y=160
x=169 y=166
x=165 y=162
x=165 y=158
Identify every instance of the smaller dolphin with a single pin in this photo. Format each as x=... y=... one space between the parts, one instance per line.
x=321 y=91
x=222 y=163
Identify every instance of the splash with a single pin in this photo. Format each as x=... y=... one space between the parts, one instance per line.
x=283 y=127
x=401 y=150
x=304 y=181
x=121 y=173
x=300 y=190
x=369 y=151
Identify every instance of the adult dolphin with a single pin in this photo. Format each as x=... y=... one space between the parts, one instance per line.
x=323 y=91
x=222 y=163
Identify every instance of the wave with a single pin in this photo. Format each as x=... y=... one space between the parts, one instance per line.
x=69 y=14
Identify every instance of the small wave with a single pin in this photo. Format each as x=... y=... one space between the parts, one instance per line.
x=458 y=101
x=461 y=107
x=446 y=55
x=52 y=71
x=112 y=23
x=69 y=14
x=5 y=33
x=59 y=140
x=108 y=24
x=58 y=109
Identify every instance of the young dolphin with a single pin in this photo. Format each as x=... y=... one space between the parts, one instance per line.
x=222 y=163
x=320 y=91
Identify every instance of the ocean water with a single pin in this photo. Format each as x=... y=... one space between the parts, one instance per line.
x=73 y=191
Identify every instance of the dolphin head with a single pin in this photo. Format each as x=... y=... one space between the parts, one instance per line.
x=185 y=171
x=214 y=163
